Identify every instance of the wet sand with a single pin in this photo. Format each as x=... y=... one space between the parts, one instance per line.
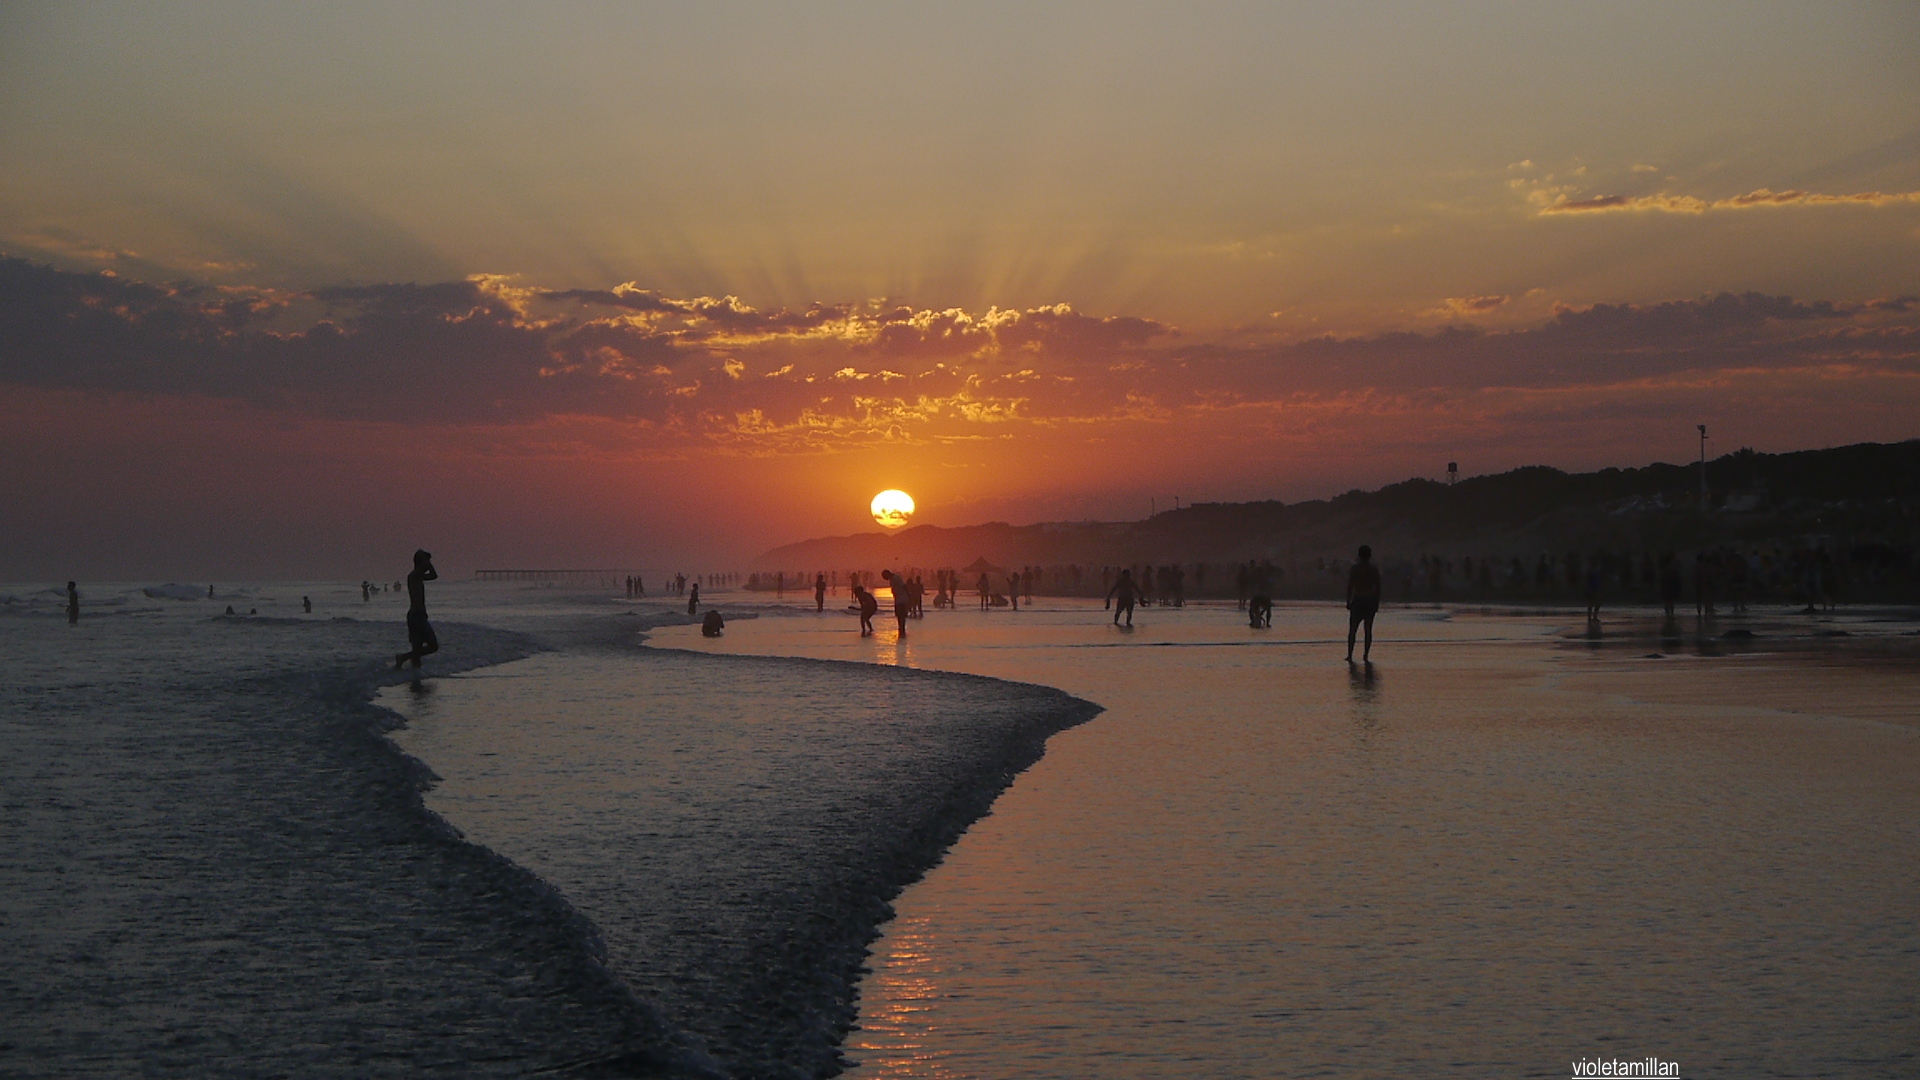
x=1497 y=852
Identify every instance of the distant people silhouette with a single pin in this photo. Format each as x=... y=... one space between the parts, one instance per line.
x=419 y=631
x=73 y=603
x=820 y=592
x=1013 y=590
x=306 y=603
x=1363 y=601
x=209 y=592
x=693 y=600
x=868 y=606
x=1260 y=611
x=1670 y=584
x=986 y=592
x=902 y=599
x=1124 y=592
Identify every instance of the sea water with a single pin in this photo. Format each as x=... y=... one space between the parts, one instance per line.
x=213 y=863
x=1497 y=850
x=218 y=864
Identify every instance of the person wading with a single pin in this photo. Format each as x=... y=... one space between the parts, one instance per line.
x=1363 y=601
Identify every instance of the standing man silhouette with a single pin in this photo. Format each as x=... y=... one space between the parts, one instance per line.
x=73 y=603
x=1124 y=592
x=902 y=599
x=1363 y=601
x=820 y=592
x=419 y=631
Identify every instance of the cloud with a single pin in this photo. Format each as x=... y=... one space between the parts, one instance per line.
x=1688 y=204
x=628 y=296
x=1472 y=305
x=718 y=372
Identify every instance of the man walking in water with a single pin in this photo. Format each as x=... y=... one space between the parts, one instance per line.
x=1123 y=592
x=73 y=603
x=868 y=605
x=1363 y=601
x=902 y=599
x=419 y=630
x=819 y=592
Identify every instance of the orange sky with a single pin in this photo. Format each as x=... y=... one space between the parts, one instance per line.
x=285 y=291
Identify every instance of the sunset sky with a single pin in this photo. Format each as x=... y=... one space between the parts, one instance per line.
x=291 y=290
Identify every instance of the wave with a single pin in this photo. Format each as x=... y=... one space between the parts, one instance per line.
x=736 y=827
x=231 y=872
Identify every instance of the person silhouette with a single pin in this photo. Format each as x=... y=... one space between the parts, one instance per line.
x=1260 y=611
x=306 y=603
x=693 y=600
x=820 y=592
x=1363 y=601
x=868 y=606
x=1013 y=590
x=1123 y=591
x=902 y=599
x=419 y=631
x=986 y=592
x=73 y=603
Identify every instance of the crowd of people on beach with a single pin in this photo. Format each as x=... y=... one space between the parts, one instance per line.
x=1726 y=577
x=1711 y=578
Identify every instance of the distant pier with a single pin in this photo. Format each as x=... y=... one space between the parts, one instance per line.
x=571 y=577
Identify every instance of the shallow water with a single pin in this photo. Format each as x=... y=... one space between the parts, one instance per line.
x=212 y=864
x=1486 y=856
x=732 y=826
x=1498 y=852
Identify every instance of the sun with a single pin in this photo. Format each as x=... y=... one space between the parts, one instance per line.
x=892 y=508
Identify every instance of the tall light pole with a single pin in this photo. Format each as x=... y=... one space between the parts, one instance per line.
x=1703 y=467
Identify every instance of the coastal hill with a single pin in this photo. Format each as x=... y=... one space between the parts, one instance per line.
x=1861 y=498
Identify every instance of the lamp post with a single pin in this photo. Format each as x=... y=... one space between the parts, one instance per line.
x=1703 y=467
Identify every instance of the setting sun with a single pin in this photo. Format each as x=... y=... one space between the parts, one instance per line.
x=892 y=508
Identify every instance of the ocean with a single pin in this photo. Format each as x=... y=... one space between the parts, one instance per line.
x=590 y=842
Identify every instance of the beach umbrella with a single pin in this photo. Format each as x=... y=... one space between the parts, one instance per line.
x=982 y=566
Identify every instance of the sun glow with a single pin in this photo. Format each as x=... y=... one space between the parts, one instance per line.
x=892 y=508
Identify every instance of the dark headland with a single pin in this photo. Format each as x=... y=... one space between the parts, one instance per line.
x=1853 y=507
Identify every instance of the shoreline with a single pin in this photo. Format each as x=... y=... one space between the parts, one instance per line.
x=870 y=775
x=259 y=839
x=1273 y=834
